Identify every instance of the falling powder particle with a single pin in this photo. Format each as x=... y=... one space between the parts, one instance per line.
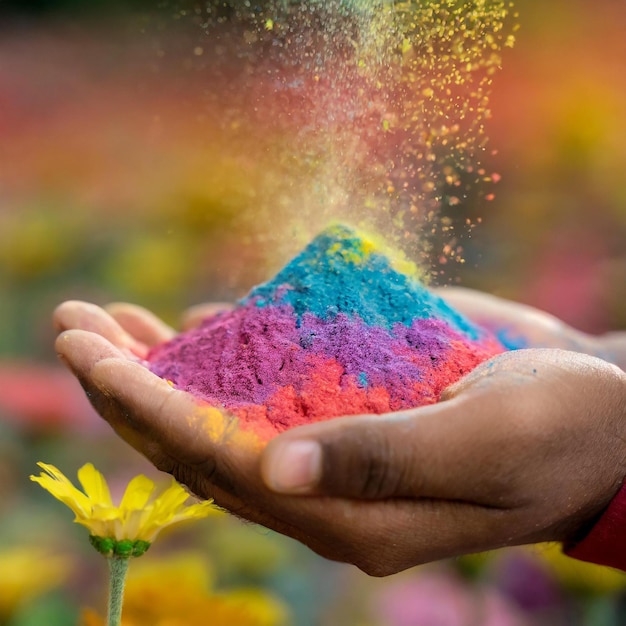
x=358 y=110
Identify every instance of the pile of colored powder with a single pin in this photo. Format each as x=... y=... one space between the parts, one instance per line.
x=341 y=330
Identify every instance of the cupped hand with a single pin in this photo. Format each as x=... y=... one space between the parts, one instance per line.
x=529 y=447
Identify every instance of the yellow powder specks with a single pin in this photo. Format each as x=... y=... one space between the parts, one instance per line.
x=218 y=426
x=223 y=428
x=372 y=243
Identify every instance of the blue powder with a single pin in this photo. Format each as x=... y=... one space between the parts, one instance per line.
x=511 y=340
x=321 y=280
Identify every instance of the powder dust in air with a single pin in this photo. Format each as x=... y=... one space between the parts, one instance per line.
x=368 y=112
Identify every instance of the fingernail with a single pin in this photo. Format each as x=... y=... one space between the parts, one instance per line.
x=294 y=466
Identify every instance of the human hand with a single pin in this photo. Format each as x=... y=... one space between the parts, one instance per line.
x=529 y=447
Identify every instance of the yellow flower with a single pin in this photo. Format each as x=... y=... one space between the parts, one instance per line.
x=145 y=508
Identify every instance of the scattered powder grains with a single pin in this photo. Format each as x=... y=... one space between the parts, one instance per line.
x=341 y=330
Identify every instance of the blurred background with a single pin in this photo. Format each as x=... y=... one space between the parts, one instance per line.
x=116 y=184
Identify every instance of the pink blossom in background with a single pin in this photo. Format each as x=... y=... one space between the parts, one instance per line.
x=436 y=599
x=43 y=397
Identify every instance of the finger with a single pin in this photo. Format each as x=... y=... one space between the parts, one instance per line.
x=79 y=350
x=614 y=345
x=518 y=325
x=385 y=537
x=489 y=308
x=165 y=424
x=78 y=315
x=172 y=427
x=140 y=323
x=195 y=315
x=158 y=421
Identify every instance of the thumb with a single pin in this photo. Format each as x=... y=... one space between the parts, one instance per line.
x=523 y=414
x=427 y=452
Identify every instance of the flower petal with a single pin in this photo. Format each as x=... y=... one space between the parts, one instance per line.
x=171 y=499
x=131 y=527
x=160 y=512
x=62 y=489
x=98 y=528
x=170 y=508
x=196 y=511
x=95 y=485
x=137 y=494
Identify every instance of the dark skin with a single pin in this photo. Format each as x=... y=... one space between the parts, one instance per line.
x=529 y=447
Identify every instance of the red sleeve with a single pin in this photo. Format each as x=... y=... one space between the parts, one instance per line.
x=605 y=544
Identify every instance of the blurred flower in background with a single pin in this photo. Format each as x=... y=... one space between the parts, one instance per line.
x=123 y=177
x=43 y=398
x=26 y=573
x=445 y=600
x=178 y=590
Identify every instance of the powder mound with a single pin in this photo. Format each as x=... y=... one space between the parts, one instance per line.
x=342 y=329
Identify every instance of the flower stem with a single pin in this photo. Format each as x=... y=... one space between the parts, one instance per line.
x=118 y=566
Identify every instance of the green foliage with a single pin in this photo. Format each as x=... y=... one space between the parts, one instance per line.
x=53 y=609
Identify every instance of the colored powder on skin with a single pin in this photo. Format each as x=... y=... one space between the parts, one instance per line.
x=340 y=330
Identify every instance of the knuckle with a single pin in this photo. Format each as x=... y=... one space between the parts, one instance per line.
x=366 y=471
x=167 y=404
x=376 y=479
x=207 y=469
x=196 y=479
x=200 y=477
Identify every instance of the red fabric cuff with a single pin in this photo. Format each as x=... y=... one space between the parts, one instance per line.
x=605 y=544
